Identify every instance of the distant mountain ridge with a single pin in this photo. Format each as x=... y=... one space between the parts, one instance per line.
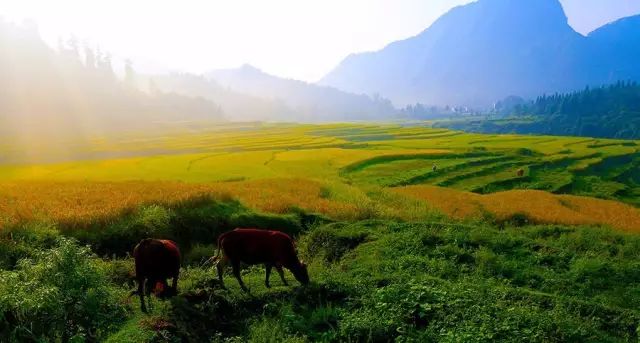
x=308 y=101
x=484 y=51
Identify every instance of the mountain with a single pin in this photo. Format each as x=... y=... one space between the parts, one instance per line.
x=481 y=52
x=309 y=102
x=617 y=48
x=237 y=106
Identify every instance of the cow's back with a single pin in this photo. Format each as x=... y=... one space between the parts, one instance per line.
x=253 y=246
x=157 y=258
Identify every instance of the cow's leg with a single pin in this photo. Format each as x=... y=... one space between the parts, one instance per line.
x=165 y=287
x=266 y=279
x=141 y=282
x=149 y=288
x=174 y=282
x=281 y=273
x=220 y=268
x=236 y=272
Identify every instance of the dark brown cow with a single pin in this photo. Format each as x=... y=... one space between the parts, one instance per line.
x=156 y=261
x=520 y=172
x=253 y=246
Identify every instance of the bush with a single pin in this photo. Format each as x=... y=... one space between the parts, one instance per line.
x=20 y=242
x=198 y=254
x=153 y=220
x=332 y=242
x=120 y=272
x=60 y=294
x=120 y=236
x=199 y=221
x=519 y=220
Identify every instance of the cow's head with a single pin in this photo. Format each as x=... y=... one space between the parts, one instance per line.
x=168 y=293
x=163 y=291
x=300 y=273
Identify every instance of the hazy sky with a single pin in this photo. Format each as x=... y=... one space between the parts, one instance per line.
x=300 y=39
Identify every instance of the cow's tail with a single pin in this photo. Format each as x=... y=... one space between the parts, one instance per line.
x=214 y=259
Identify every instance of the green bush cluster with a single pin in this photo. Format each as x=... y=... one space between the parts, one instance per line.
x=59 y=294
x=193 y=222
x=331 y=242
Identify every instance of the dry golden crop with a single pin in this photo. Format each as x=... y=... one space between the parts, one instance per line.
x=88 y=201
x=85 y=202
x=540 y=207
x=454 y=203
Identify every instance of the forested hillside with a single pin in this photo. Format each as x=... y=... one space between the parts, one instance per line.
x=75 y=89
x=617 y=98
x=609 y=111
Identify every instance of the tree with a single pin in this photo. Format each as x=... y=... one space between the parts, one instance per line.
x=129 y=73
x=89 y=57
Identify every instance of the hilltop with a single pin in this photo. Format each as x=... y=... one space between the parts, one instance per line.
x=485 y=51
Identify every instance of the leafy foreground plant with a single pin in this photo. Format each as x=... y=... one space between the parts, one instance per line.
x=60 y=294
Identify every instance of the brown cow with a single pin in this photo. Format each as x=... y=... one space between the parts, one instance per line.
x=520 y=172
x=156 y=261
x=254 y=246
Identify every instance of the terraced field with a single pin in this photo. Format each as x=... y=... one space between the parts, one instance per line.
x=488 y=164
x=348 y=170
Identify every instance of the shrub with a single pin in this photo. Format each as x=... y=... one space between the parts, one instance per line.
x=332 y=243
x=198 y=254
x=59 y=295
x=22 y=241
x=198 y=221
x=519 y=219
x=120 y=236
x=120 y=272
x=153 y=220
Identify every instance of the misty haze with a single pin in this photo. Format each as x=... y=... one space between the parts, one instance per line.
x=414 y=171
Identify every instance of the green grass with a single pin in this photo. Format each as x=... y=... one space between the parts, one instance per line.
x=372 y=280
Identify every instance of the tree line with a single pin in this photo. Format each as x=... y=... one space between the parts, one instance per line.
x=74 y=88
x=619 y=98
x=610 y=111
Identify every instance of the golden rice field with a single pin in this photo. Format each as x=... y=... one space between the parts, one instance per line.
x=344 y=171
x=541 y=207
x=84 y=202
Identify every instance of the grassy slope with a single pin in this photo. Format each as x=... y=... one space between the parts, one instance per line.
x=373 y=280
